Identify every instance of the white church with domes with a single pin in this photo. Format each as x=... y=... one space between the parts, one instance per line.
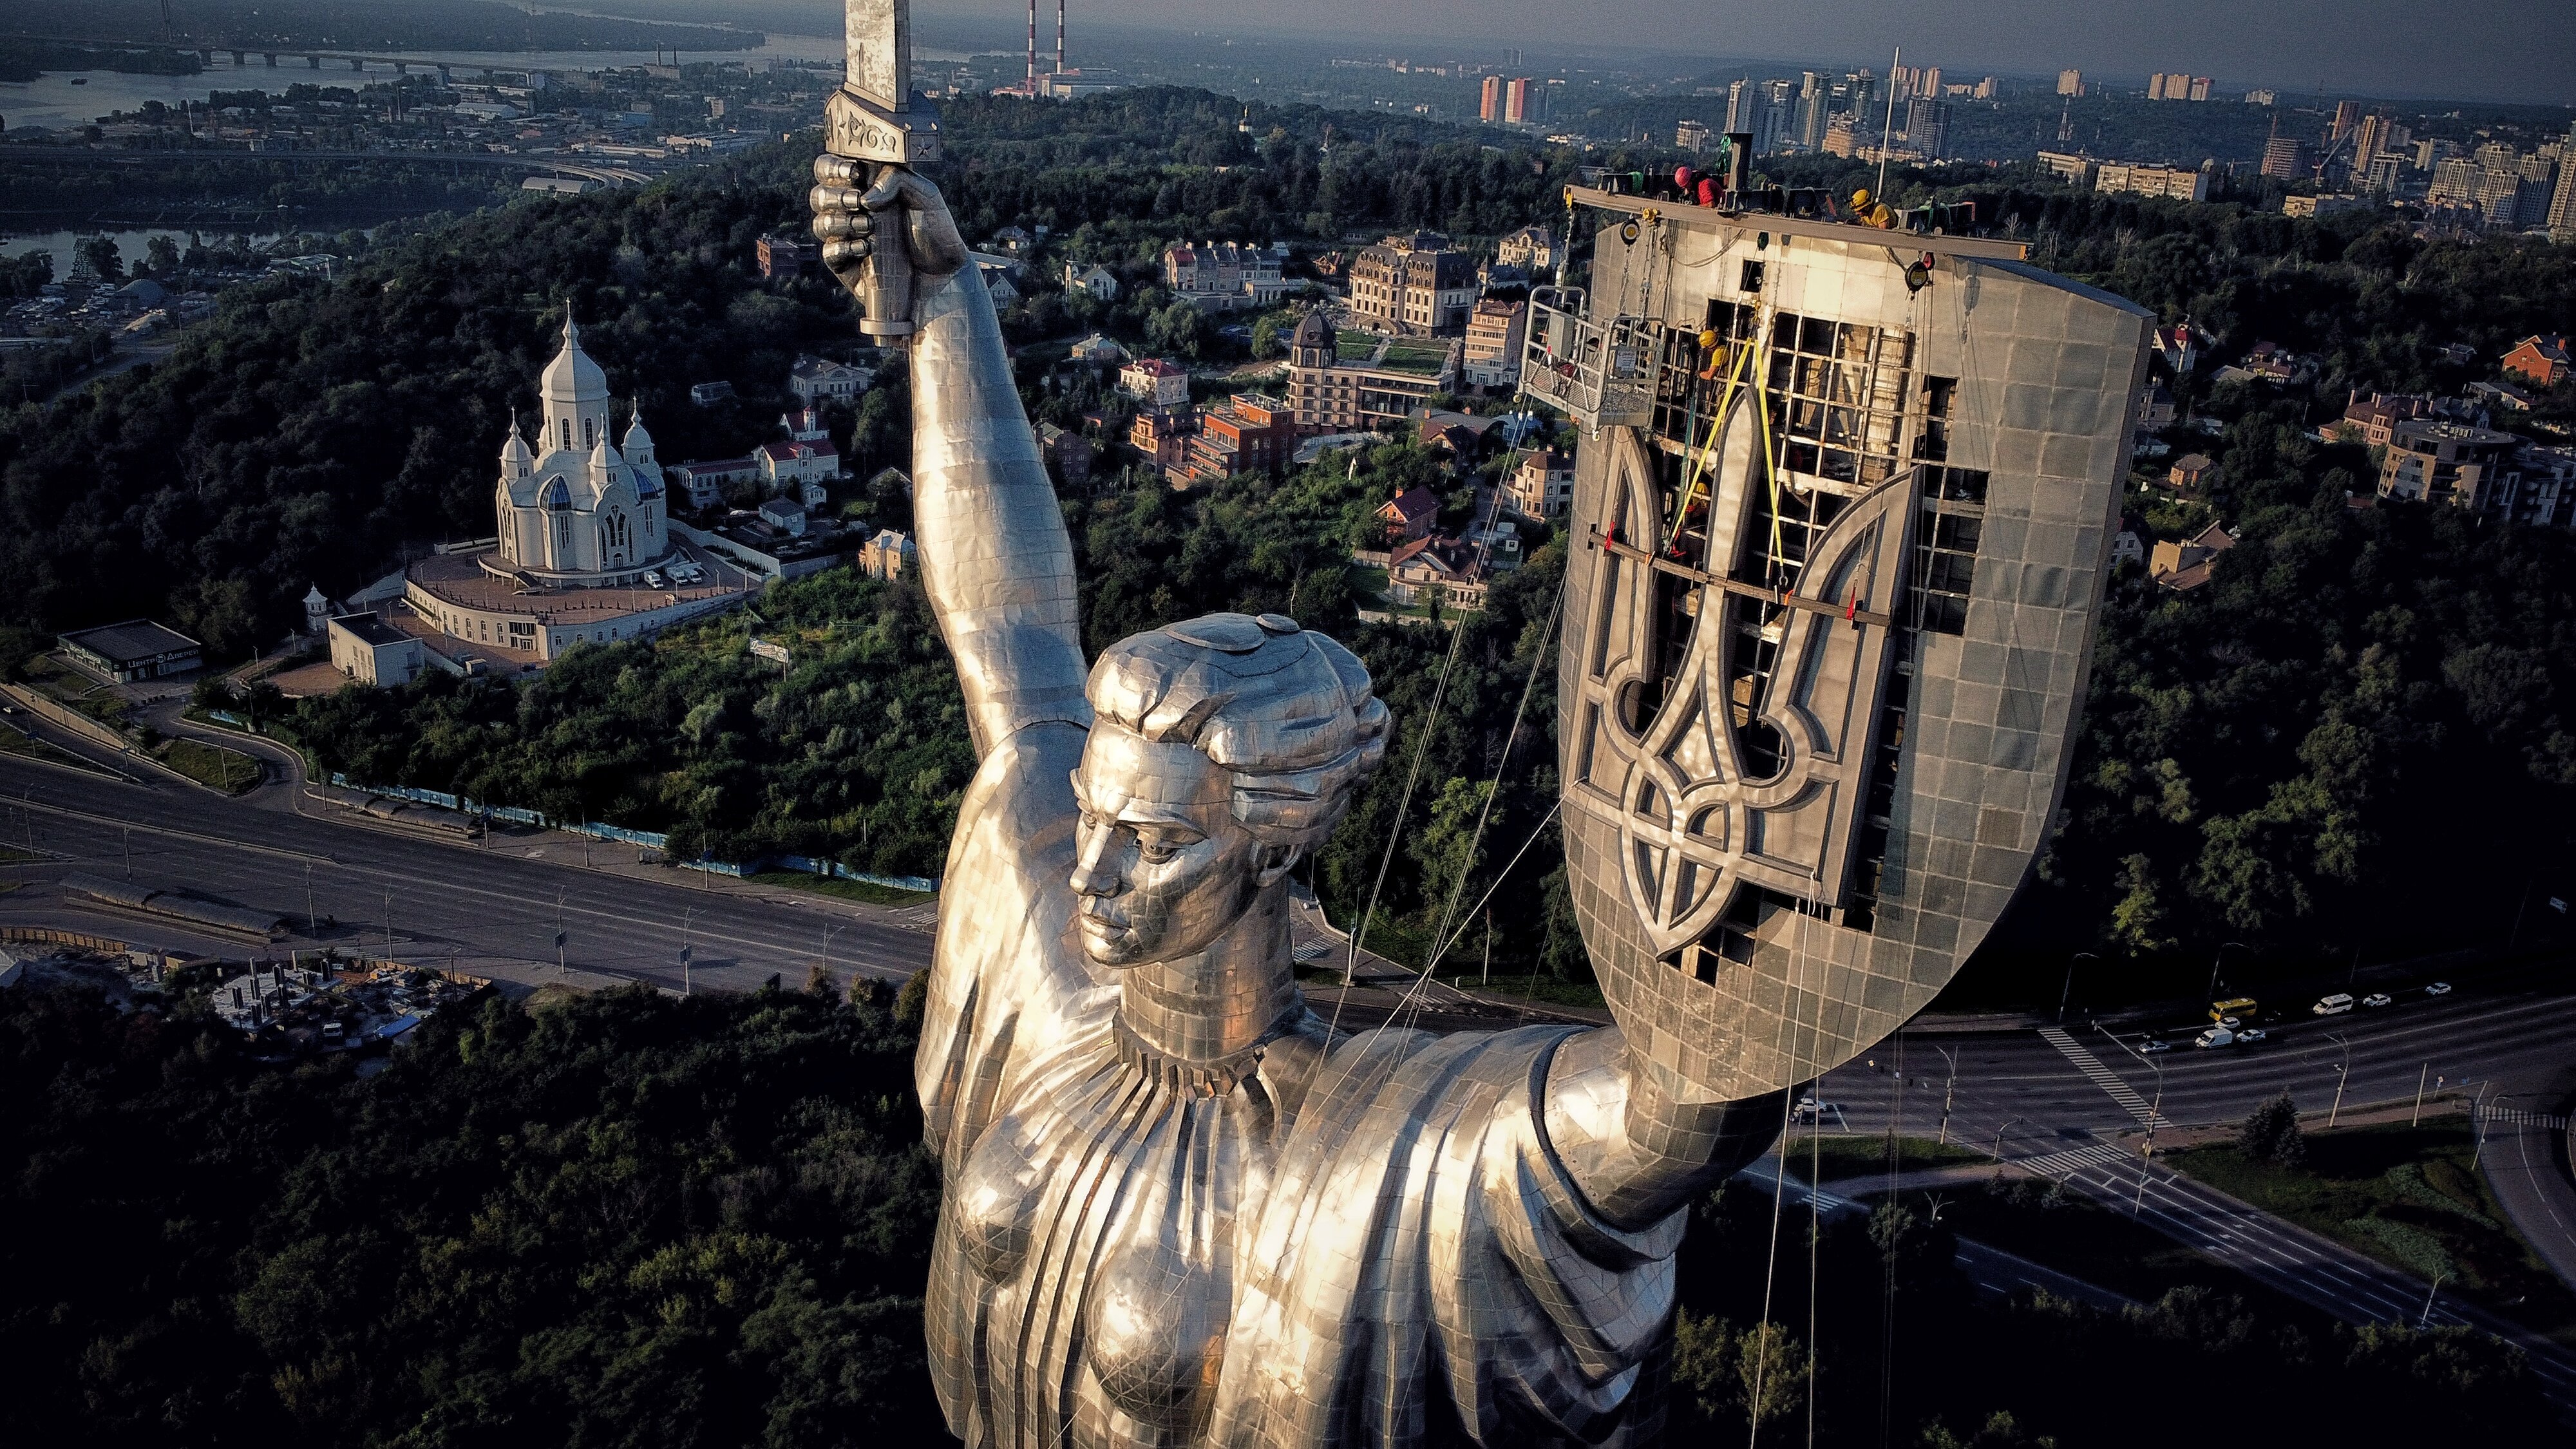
x=574 y=508
x=584 y=551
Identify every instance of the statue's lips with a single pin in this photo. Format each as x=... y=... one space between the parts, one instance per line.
x=1101 y=918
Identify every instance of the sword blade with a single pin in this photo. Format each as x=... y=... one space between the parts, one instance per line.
x=877 y=42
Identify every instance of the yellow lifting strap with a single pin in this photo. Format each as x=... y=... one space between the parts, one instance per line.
x=1750 y=357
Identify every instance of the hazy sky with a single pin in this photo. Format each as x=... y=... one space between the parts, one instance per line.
x=2506 y=50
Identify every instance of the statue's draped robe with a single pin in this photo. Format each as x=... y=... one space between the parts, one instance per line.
x=1362 y=1240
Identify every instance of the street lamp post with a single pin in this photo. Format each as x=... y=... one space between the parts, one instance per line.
x=1998 y=1153
x=828 y=933
x=2427 y=1316
x=2418 y=1114
x=2343 y=1075
x=1949 y=1092
x=2219 y=960
x=2069 y=989
x=312 y=922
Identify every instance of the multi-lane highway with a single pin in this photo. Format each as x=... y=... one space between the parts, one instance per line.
x=490 y=909
x=2072 y=1103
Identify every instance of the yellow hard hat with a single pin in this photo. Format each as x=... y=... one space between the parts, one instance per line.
x=1860 y=196
x=1707 y=338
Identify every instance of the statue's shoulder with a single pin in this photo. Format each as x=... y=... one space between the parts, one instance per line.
x=1017 y=816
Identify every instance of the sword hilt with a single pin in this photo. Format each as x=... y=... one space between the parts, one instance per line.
x=885 y=285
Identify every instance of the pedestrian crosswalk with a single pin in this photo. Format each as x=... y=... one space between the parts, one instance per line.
x=2521 y=1118
x=1312 y=951
x=2102 y=1076
x=2073 y=1160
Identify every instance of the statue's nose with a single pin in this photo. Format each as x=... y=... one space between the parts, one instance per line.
x=1095 y=871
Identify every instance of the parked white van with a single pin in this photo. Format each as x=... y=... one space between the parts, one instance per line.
x=2335 y=1005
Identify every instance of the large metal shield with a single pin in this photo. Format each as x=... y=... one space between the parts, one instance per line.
x=1829 y=613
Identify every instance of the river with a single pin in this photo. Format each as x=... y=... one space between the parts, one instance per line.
x=54 y=101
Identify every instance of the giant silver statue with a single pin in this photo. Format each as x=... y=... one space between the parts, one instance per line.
x=1179 y=1209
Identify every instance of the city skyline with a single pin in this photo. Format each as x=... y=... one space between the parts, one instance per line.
x=2503 y=51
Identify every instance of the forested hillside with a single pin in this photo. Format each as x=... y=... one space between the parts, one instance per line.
x=642 y=1222
x=2276 y=759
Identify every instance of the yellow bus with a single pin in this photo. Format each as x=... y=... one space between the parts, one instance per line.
x=2242 y=1008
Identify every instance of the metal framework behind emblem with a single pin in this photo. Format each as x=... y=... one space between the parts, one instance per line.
x=1830 y=608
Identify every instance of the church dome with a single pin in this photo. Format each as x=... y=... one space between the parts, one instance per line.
x=572 y=377
x=637 y=440
x=1312 y=331
x=514 y=450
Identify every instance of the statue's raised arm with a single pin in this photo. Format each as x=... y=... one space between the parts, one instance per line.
x=992 y=546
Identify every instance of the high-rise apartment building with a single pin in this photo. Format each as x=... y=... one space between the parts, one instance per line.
x=1771 y=118
x=2562 y=202
x=1815 y=104
x=1490 y=105
x=1927 y=128
x=2285 y=158
x=1691 y=136
x=2200 y=88
x=2070 y=82
x=1741 y=97
x=1516 y=100
x=2347 y=115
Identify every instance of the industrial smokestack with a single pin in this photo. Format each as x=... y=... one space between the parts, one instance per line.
x=1059 y=37
x=1033 y=47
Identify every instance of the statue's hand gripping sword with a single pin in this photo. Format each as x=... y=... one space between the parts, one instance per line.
x=875 y=127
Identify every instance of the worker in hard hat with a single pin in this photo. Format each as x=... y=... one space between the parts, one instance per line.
x=1712 y=354
x=1869 y=211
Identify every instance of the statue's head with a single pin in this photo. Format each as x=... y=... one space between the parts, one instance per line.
x=1221 y=751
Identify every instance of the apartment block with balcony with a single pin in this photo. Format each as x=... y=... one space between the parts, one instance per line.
x=1413 y=285
x=2436 y=460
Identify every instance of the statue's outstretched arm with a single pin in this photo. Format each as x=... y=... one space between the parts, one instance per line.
x=992 y=546
x=1635 y=1151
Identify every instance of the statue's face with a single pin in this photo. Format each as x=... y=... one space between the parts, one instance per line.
x=1162 y=866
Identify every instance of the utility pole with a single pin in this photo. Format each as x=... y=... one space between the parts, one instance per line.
x=2418 y=1115
x=685 y=953
x=312 y=922
x=2069 y=989
x=1949 y=1091
x=129 y=852
x=2478 y=1110
x=2343 y=1074
x=560 y=934
x=389 y=923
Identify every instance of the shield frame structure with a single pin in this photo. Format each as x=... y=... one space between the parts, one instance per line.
x=1841 y=528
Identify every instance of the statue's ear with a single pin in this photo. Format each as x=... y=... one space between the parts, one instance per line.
x=1276 y=861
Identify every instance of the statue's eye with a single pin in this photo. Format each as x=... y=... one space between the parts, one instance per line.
x=1158 y=852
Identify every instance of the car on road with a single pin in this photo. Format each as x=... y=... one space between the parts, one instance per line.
x=2155 y=1044
x=2216 y=1036
x=2379 y=998
x=1811 y=1110
x=2335 y=1005
x=2251 y=1035
x=2231 y=1022
x=2438 y=988
x=653 y=578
